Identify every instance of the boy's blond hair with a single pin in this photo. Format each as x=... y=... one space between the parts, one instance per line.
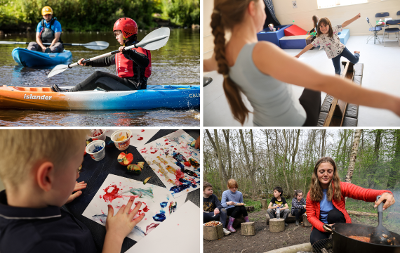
x=20 y=149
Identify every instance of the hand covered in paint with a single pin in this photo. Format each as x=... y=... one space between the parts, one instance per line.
x=216 y=211
x=122 y=223
x=386 y=198
x=77 y=191
x=121 y=48
x=80 y=62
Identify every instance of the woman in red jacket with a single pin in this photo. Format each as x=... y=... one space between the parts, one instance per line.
x=325 y=203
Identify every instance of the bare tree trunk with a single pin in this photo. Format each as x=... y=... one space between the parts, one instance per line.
x=323 y=137
x=222 y=173
x=294 y=158
x=353 y=155
x=394 y=170
x=249 y=167
x=284 y=159
x=226 y=135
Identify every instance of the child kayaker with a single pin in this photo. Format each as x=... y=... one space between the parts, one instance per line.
x=133 y=66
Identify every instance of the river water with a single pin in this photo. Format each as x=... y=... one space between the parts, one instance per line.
x=178 y=62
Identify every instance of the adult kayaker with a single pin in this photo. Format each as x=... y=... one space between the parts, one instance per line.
x=48 y=31
x=133 y=66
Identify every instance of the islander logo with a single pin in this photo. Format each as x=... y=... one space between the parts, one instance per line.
x=43 y=97
x=194 y=95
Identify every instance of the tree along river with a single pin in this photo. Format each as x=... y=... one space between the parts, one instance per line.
x=178 y=62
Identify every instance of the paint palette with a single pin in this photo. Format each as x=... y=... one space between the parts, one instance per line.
x=157 y=203
x=175 y=162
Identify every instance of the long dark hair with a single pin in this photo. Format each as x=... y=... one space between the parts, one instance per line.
x=315 y=20
x=226 y=14
x=327 y=22
x=315 y=186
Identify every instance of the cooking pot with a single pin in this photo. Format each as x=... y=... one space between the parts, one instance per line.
x=344 y=244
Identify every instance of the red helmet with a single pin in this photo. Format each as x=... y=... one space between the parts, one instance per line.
x=127 y=26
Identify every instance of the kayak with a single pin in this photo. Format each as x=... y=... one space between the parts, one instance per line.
x=155 y=96
x=32 y=59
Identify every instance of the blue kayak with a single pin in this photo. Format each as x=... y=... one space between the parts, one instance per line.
x=35 y=59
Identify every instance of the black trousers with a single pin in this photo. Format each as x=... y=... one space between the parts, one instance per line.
x=334 y=216
x=106 y=81
x=311 y=102
x=298 y=213
x=236 y=211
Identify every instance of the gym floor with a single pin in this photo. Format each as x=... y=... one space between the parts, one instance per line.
x=381 y=73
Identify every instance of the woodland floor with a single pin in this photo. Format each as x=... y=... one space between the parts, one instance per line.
x=264 y=240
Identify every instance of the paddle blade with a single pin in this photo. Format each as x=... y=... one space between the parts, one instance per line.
x=13 y=42
x=156 y=39
x=96 y=45
x=57 y=70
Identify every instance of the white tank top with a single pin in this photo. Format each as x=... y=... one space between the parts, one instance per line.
x=272 y=100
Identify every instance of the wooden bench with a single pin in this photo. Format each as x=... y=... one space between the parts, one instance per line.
x=335 y=112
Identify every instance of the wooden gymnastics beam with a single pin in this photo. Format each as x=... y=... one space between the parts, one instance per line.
x=338 y=107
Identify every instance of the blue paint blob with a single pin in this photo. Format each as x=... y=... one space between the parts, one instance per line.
x=163 y=204
x=180 y=165
x=97 y=148
x=160 y=216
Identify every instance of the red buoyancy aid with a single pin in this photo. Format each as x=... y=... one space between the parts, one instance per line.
x=124 y=66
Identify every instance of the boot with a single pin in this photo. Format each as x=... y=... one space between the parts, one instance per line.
x=230 y=223
x=55 y=88
x=246 y=219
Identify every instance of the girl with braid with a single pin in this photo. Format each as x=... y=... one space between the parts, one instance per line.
x=263 y=72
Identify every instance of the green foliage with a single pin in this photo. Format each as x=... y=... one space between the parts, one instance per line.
x=256 y=204
x=99 y=15
x=182 y=12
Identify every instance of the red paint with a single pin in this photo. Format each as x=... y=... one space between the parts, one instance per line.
x=166 y=143
x=110 y=196
x=187 y=164
x=175 y=148
x=142 y=130
x=140 y=138
x=100 y=196
x=146 y=209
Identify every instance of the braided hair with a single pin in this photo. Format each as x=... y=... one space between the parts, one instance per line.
x=226 y=14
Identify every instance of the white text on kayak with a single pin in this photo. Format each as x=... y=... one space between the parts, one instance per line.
x=43 y=97
x=194 y=95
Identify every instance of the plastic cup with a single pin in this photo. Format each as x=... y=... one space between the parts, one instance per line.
x=99 y=155
x=123 y=144
x=98 y=137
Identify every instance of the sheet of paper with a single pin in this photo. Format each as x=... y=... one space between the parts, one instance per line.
x=157 y=203
x=174 y=161
x=179 y=234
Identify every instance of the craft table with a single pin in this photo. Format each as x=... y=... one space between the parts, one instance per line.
x=94 y=173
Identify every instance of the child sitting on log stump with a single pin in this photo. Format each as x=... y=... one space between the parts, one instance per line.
x=232 y=200
x=278 y=202
x=298 y=205
x=212 y=208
